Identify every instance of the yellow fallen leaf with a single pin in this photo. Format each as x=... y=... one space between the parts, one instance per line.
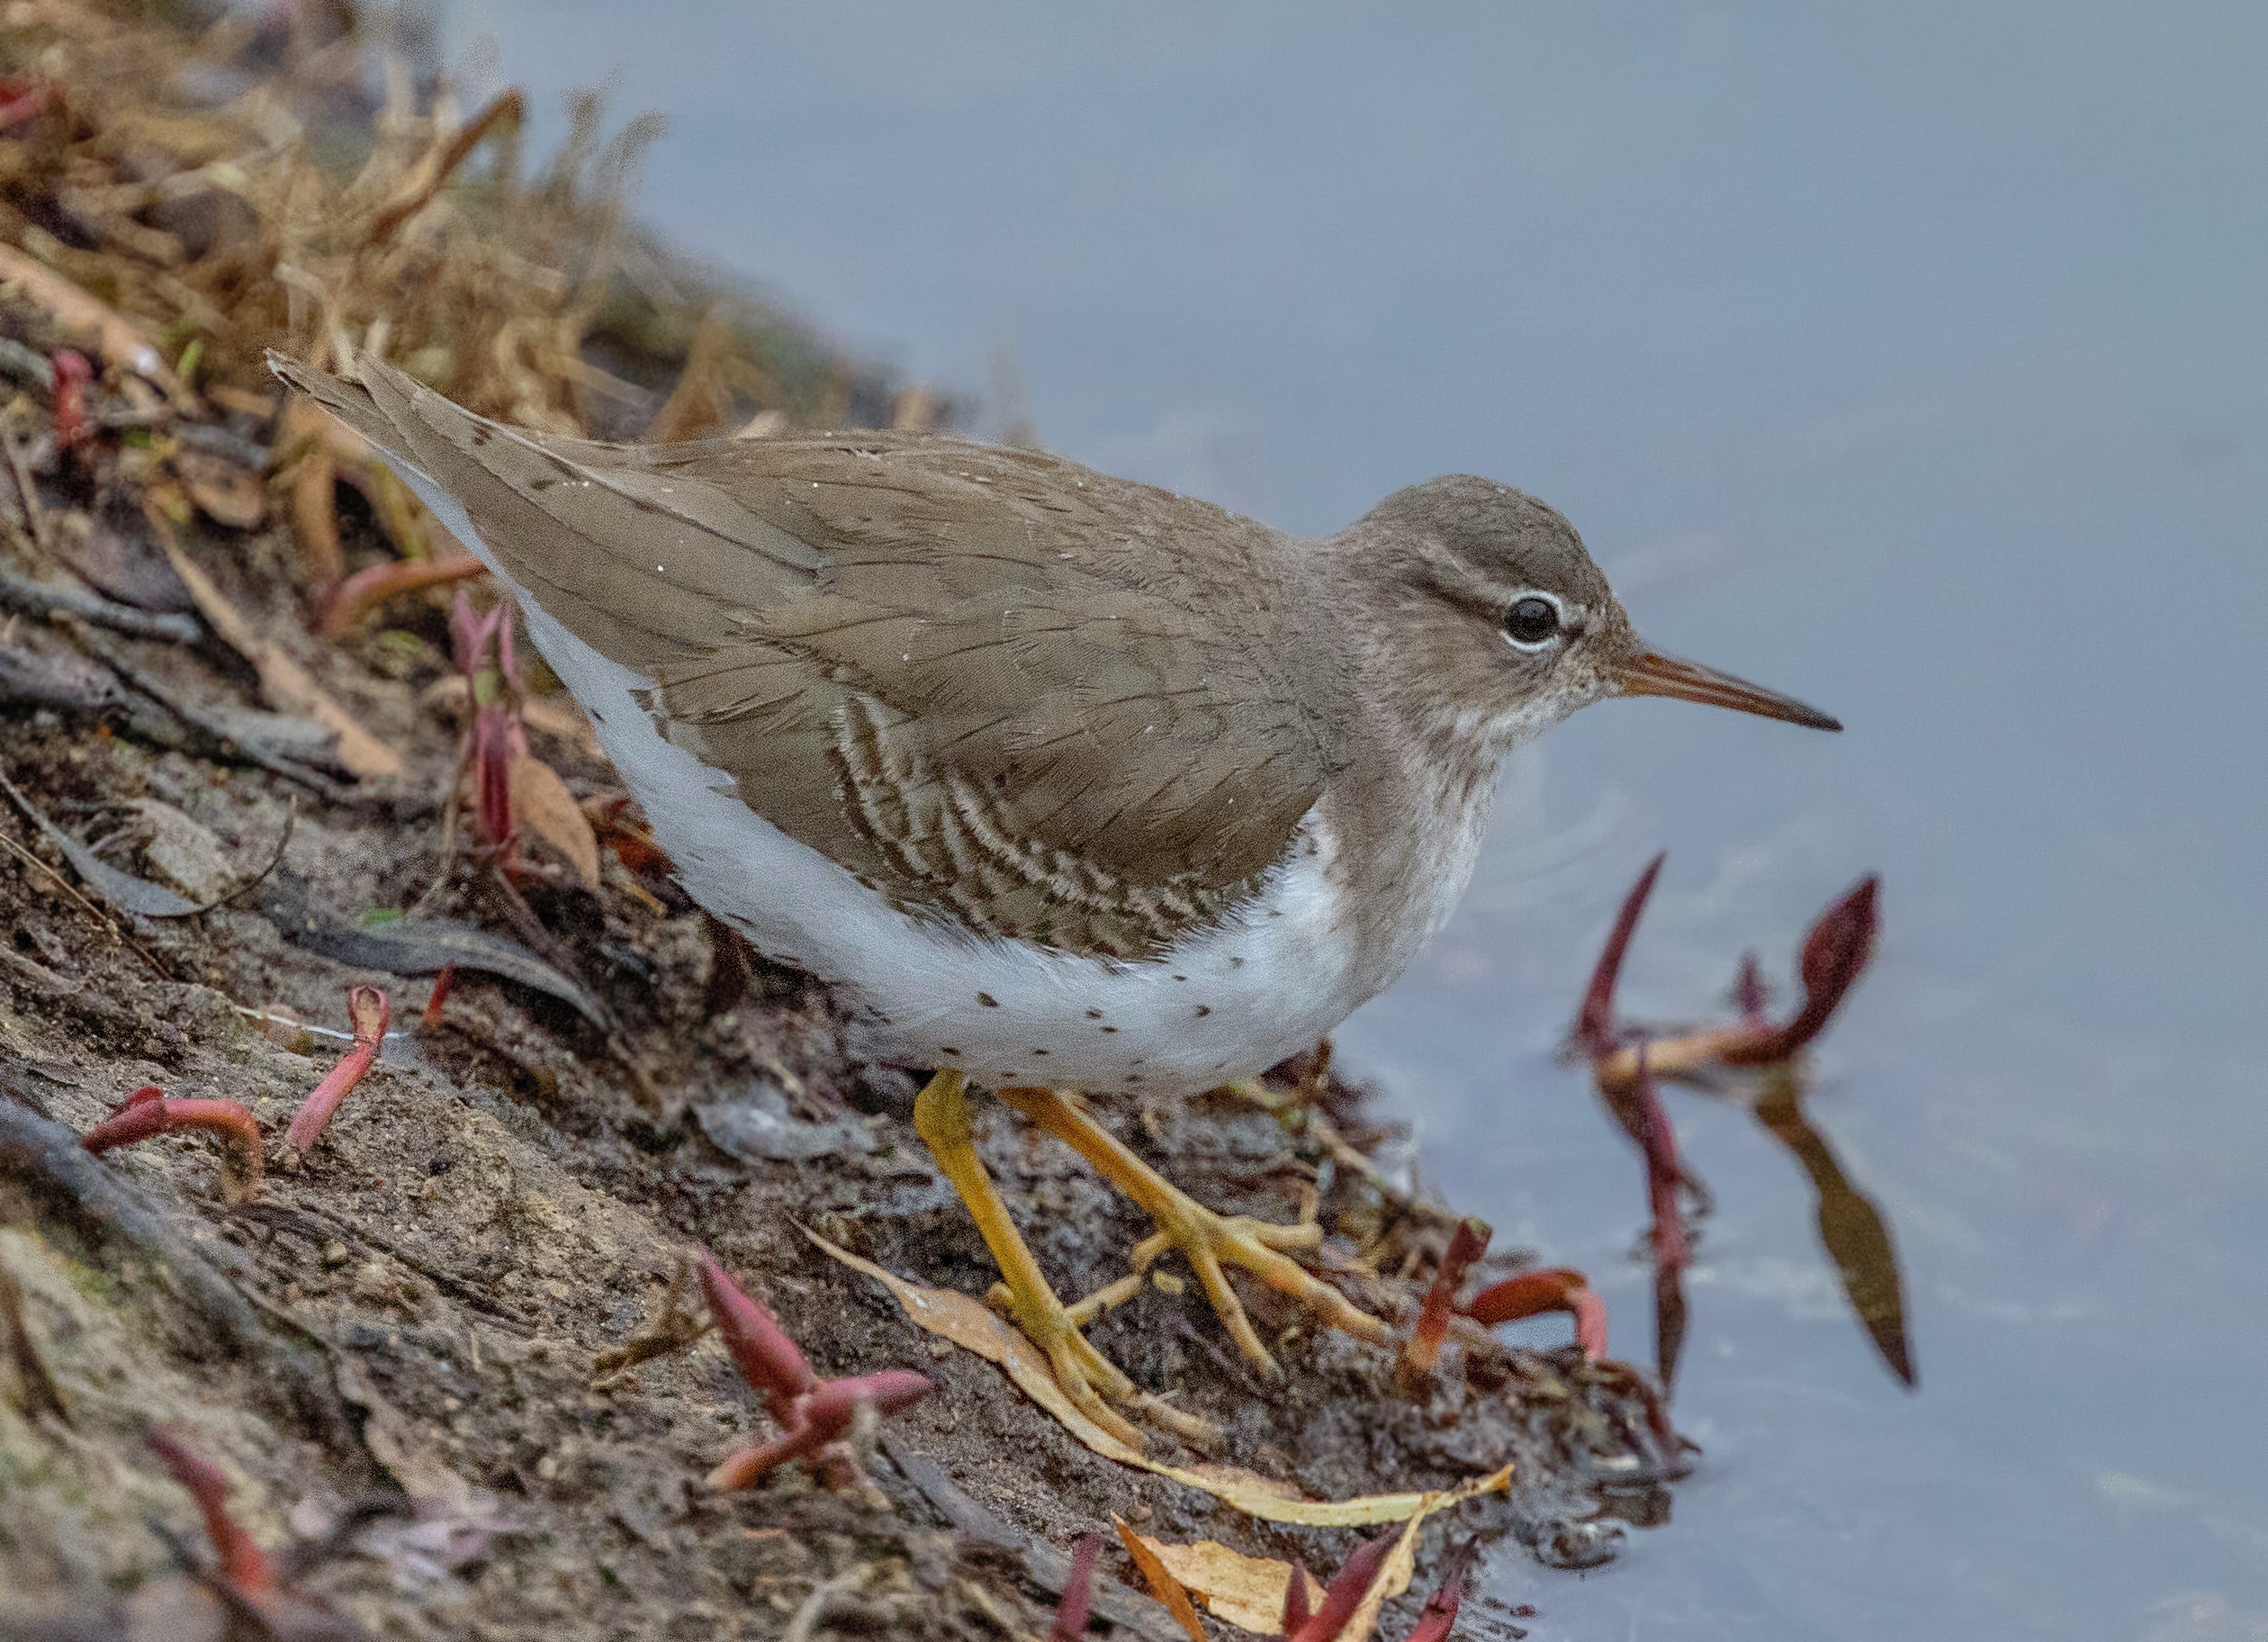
x=1245 y=1590
x=289 y=687
x=1160 y=1579
x=541 y=801
x=969 y=1325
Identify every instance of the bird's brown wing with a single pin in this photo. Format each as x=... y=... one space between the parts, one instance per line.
x=1001 y=688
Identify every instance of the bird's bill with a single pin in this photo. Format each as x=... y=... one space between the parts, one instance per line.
x=1652 y=674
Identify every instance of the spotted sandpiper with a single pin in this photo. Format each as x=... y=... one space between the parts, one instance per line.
x=1074 y=784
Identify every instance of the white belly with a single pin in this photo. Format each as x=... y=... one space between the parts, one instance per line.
x=1223 y=1005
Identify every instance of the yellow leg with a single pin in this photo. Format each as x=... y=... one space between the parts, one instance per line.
x=940 y=1116
x=1208 y=1239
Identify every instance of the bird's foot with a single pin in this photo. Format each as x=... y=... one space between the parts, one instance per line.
x=1210 y=1241
x=1091 y=1380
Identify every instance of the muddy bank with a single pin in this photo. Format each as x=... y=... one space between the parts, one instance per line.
x=228 y=675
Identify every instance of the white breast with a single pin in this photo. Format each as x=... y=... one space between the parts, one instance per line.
x=1227 y=1003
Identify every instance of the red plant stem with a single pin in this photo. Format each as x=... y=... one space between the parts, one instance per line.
x=147 y=1113
x=751 y=1465
x=372 y=586
x=1595 y=1021
x=1532 y=1293
x=25 y=105
x=496 y=731
x=244 y=1567
x=769 y=1360
x=818 y=1419
x=812 y=1412
x=1345 y=1591
x=1078 y=1589
x=1467 y=1244
x=72 y=373
x=1662 y=1171
x=370 y=1012
x=443 y=985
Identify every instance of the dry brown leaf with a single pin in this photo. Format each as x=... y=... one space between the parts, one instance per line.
x=1160 y=1579
x=1245 y=1591
x=969 y=1325
x=541 y=801
x=229 y=494
x=288 y=686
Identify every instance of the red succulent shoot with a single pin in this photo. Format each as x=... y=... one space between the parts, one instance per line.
x=1835 y=954
x=443 y=985
x=24 y=101
x=1440 y=1612
x=1594 y=1027
x=767 y=1358
x=1532 y=1293
x=1343 y=1596
x=497 y=736
x=72 y=373
x=1078 y=1589
x=247 y=1570
x=369 y=1012
x=1295 y=1599
x=149 y=1112
x=813 y=1414
x=1467 y=1244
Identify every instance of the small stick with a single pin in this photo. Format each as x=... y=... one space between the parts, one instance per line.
x=35 y=515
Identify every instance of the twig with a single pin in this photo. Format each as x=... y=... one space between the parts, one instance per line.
x=34 y=515
x=85 y=905
x=806 y=1624
x=39 y=1387
x=45 y=599
x=225 y=743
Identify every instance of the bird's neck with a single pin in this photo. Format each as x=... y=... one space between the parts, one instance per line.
x=1419 y=778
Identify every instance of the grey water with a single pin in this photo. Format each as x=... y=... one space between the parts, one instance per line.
x=1912 y=359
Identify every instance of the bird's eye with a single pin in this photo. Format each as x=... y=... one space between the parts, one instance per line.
x=1532 y=621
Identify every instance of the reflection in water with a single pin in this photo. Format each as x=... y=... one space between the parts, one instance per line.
x=1850 y=1226
x=1625 y=1062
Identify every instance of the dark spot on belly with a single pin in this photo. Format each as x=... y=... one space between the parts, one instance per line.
x=1110 y=1029
x=988 y=1000
x=1235 y=963
x=1094 y=1014
x=1180 y=978
x=1133 y=1077
x=1204 y=1009
x=1038 y=1051
x=944 y=1050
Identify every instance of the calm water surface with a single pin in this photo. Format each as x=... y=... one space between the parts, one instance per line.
x=1915 y=361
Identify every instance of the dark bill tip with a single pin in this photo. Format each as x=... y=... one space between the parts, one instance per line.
x=1652 y=674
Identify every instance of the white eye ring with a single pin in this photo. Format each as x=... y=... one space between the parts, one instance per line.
x=1521 y=617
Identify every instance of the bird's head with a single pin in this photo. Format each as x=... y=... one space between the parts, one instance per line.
x=1505 y=623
